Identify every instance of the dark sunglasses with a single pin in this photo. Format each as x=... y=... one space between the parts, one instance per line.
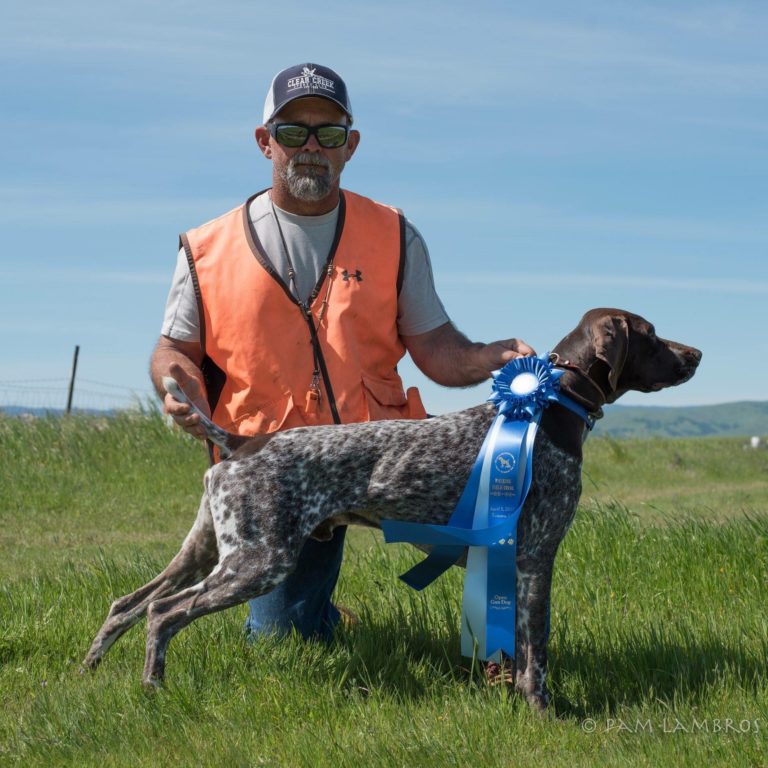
x=297 y=134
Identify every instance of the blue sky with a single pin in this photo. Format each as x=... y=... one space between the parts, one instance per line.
x=556 y=156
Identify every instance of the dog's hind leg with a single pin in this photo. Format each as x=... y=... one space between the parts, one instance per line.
x=241 y=575
x=195 y=560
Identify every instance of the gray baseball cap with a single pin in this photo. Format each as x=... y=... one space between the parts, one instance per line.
x=305 y=80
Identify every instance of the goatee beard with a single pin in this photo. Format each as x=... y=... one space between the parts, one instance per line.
x=309 y=186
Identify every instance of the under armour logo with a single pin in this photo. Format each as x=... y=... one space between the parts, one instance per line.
x=358 y=275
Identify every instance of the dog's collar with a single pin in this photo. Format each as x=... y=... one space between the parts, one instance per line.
x=580 y=404
x=527 y=385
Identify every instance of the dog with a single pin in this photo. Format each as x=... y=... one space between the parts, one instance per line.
x=272 y=492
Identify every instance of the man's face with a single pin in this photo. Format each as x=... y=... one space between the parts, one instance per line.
x=309 y=173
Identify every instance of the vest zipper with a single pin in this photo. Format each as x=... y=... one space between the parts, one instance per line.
x=305 y=310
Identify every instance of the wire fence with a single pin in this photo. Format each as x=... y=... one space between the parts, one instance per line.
x=40 y=395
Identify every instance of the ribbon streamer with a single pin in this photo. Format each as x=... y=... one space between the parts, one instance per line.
x=486 y=516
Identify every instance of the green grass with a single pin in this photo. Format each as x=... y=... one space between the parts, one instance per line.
x=660 y=634
x=668 y=480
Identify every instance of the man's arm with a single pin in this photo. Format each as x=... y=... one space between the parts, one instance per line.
x=181 y=360
x=449 y=358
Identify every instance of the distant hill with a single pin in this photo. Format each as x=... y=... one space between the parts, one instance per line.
x=620 y=421
x=728 y=419
x=41 y=413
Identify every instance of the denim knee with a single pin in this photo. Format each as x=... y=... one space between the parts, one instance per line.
x=303 y=600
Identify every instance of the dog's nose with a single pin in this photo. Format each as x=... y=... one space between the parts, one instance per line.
x=688 y=355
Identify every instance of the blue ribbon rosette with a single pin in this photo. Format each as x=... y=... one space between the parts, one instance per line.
x=524 y=386
x=486 y=516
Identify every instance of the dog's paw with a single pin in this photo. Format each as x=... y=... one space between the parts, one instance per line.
x=152 y=684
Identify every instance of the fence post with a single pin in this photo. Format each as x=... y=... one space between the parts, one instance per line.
x=72 y=379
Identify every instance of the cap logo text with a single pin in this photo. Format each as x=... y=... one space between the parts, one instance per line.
x=308 y=79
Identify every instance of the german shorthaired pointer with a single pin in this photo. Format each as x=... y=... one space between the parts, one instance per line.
x=272 y=492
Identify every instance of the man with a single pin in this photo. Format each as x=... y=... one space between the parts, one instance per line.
x=295 y=308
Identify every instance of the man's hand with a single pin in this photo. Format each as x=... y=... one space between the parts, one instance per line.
x=498 y=353
x=181 y=360
x=448 y=357
x=180 y=412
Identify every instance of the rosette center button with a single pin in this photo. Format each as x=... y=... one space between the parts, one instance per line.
x=524 y=383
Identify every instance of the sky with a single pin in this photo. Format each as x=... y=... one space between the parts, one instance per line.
x=555 y=156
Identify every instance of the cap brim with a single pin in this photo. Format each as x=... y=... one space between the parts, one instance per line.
x=282 y=104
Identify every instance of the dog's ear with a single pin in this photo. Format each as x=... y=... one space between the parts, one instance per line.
x=611 y=339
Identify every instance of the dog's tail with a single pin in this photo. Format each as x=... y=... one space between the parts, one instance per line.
x=226 y=441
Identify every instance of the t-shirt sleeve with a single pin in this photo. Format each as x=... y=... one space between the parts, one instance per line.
x=419 y=308
x=182 y=318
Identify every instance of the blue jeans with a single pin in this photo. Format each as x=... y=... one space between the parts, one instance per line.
x=303 y=600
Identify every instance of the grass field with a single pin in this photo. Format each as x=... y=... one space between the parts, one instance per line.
x=659 y=650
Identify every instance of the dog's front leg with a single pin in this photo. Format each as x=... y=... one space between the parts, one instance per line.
x=534 y=580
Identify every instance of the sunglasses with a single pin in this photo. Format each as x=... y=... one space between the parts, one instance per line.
x=297 y=134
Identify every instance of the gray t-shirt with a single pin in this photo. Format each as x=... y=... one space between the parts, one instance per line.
x=309 y=240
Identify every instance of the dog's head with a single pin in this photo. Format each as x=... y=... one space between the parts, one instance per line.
x=620 y=351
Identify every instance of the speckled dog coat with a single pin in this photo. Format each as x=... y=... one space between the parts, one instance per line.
x=274 y=491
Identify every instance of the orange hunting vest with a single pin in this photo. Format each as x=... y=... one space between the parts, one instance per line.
x=257 y=339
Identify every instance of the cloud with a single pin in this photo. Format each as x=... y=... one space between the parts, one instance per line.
x=60 y=203
x=532 y=217
x=549 y=280
x=613 y=50
x=82 y=276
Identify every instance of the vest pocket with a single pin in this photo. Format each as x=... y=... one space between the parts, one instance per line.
x=384 y=399
x=280 y=413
